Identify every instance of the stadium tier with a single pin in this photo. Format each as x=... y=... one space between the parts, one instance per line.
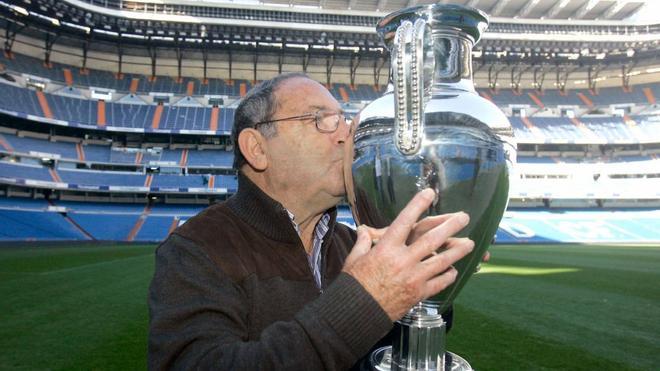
x=91 y=153
x=126 y=83
x=130 y=222
x=611 y=129
x=119 y=181
x=71 y=76
x=96 y=134
x=143 y=117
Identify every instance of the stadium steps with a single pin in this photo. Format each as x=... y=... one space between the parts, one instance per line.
x=78 y=227
x=536 y=100
x=155 y=122
x=175 y=223
x=243 y=89
x=138 y=224
x=43 y=102
x=68 y=76
x=6 y=145
x=535 y=131
x=138 y=158
x=584 y=129
x=190 y=88
x=213 y=122
x=148 y=180
x=134 y=85
x=55 y=176
x=211 y=183
x=184 y=158
x=80 y=151
x=633 y=128
x=100 y=113
x=74 y=224
x=649 y=95
x=344 y=94
x=585 y=100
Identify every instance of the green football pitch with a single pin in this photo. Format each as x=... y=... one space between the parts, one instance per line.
x=549 y=307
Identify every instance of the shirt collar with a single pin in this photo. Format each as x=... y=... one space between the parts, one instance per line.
x=265 y=214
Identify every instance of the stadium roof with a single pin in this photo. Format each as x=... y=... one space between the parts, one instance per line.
x=330 y=30
x=527 y=9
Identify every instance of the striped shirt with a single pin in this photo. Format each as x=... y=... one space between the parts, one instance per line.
x=314 y=258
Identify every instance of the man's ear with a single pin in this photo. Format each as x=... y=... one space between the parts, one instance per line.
x=253 y=147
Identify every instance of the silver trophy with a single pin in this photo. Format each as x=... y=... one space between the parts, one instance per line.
x=431 y=129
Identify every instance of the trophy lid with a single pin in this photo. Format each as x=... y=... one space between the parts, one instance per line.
x=469 y=20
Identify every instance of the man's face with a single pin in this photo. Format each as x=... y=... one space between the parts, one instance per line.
x=302 y=159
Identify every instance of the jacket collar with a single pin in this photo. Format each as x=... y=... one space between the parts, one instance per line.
x=265 y=214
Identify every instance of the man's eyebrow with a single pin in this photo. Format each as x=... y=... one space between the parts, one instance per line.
x=316 y=107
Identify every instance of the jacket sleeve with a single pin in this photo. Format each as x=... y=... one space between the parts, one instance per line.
x=198 y=320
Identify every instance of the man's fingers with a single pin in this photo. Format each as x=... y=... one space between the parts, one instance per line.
x=400 y=228
x=486 y=257
x=375 y=233
x=430 y=222
x=440 y=282
x=361 y=247
x=437 y=263
x=426 y=225
x=436 y=237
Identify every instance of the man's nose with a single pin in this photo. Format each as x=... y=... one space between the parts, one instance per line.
x=344 y=130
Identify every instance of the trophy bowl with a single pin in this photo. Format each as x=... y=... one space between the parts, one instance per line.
x=431 y=129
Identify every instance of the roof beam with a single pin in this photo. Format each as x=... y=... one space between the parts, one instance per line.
x=351 y=4
x=559 y=5
x=585 y=8
x=381 y=4
x=613 y=9
x=527 y=8
x=499 y=6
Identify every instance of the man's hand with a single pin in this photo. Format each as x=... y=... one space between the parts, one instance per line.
x=399 y=273
x=419 y=229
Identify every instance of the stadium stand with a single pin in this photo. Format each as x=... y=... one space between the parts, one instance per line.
x=147 y=117
x=23 y=171
x=149 y=141
x=19 y=225
x=580 y=226
x=86 y=221
x=31 y=66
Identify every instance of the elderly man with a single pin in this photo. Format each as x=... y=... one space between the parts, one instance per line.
x=268 y=279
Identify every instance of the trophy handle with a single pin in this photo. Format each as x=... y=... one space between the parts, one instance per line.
x=407 y=60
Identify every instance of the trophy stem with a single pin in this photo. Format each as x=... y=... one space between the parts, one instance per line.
x=419 y=344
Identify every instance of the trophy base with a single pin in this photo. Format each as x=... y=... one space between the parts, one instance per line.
x=381 y=360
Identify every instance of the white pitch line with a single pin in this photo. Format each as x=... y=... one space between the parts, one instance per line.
x=91 y=265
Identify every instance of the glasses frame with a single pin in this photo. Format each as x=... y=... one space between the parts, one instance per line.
x=317 y=116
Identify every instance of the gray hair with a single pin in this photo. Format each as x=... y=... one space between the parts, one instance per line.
x=258 y=105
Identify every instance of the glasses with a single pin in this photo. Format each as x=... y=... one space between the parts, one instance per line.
x=326 y=121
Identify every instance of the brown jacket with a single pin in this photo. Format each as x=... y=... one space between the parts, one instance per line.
x=233 y=290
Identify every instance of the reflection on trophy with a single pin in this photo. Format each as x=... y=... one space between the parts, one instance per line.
x=431 y=129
